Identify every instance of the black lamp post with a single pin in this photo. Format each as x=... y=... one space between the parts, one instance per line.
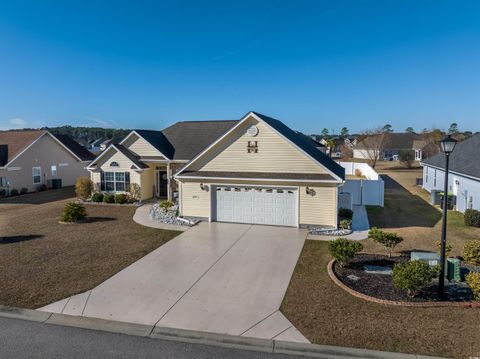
x=448 y=145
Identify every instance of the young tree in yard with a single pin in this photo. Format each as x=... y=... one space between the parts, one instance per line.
x=331 y=145
x=388 y=240
x=409 y=130
x=387 y=128
x=374 y=143
x=347 y=152
x=344 y=132
x=407 y=158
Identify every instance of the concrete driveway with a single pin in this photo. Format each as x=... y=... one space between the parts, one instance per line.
x=216 y=277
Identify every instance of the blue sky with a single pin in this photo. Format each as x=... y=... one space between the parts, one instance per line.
x=311 y=64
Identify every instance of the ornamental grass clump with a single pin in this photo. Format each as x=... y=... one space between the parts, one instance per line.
x=84 y=187
x=343 y=250
x=413 y=276
x=387 y=239
x=73 y=212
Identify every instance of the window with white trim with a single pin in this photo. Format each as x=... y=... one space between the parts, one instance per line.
x=37 y=175
x=53 y=169
x=115 y=181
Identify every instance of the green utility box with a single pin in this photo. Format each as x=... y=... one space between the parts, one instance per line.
x=453 y=269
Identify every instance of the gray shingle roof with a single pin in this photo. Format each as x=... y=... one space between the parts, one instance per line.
x=259 y=175
x=304 y=144
x=393 y=140
x=80 y=151
x=465 y=159
x=184 y=140
x=130 y=155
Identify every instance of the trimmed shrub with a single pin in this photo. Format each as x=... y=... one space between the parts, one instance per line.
x=42 y=187
x=121 y=198
x=407 y=158
x=3 y=192
x=358 y=172
x=473 y=281
x=97 y=197
x=135 y=191
x=413 y=276
x=471 y=218
x=165 y=205
x=471 y=252
x=388 y=240
x=23 y=190
x=343 y=250
x=14 y=192
x=84 y=187
x=73 y=212
x=108 y=198
x=345 y=213
x=345 y=224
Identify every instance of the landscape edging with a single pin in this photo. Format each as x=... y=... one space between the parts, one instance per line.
x=339 y=283
x=198 y=337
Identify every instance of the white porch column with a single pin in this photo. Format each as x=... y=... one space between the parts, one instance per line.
x=169 y=188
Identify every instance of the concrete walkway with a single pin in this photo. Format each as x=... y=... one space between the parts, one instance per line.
x=360 y=227
x=216 y=277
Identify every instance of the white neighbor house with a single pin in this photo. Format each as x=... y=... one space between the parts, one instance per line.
x=464 y=173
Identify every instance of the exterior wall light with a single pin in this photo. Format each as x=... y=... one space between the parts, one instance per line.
x=310 y=191
x=203 y=187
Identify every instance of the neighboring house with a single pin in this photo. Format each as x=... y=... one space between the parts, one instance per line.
x=256 y=170
x=318 y=145
x=94 y=145
x=340 y=144
x=393 y=144
x=29 y=159
x=464 y=173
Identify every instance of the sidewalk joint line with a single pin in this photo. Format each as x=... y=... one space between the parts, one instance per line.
x=208 y=269
x=85 y=306
x=257 y=323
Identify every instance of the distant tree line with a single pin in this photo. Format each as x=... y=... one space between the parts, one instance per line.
x=88 y=133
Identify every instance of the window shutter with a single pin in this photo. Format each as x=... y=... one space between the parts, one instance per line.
x=102 y=181
x=127 y=181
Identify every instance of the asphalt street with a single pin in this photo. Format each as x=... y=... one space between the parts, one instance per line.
x=26 y=339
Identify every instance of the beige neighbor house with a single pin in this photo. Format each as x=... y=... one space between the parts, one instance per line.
x=29 y=159
x=255 y=170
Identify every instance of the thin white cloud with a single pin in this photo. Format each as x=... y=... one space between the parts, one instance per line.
x=100 y=122
x=13 y=123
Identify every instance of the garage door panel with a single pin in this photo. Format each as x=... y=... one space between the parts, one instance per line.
x=270 y=206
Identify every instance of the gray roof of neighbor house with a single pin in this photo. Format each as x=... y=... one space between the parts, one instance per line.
x=465 y=159
x=304 y=144
x=80 y=151
x=184 y=140
x=393 y=140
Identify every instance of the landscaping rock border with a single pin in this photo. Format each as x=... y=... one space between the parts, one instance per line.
x=339 y=283
x=136 y=204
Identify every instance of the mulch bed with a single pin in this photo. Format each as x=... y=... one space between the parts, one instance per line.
x=381 y=285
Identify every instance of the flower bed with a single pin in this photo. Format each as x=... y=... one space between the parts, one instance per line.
x=330 y=231
x=381 y=286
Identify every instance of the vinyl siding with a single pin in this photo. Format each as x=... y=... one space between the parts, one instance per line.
x=141 y=147
x=146 y=183
x=275 y=154
x=44 y=153
x=320 y=209
x=194 y=201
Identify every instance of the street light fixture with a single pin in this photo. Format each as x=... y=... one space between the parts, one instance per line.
x=447 y=145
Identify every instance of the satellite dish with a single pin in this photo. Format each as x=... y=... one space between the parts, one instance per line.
x=252 y=131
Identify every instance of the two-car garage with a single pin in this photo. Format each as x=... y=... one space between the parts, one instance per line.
x=255 y=205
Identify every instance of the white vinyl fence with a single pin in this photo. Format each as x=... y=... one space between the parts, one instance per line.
x=367 y=191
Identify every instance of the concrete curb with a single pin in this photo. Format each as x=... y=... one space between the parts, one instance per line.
x=339 y=283
x=202 y=338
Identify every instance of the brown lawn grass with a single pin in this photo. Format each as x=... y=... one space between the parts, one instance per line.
x=328 y=315
x=407 y=212
x=42 y=261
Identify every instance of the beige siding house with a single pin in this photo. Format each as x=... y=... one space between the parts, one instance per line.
x=255 y=170
x=29 y=159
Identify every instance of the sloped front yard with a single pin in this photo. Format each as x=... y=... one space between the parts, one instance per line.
x=326 y=314
x=42 y=261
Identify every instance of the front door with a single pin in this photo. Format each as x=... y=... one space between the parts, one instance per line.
x=161 y=183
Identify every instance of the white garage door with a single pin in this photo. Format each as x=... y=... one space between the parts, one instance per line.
x=272 y=206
